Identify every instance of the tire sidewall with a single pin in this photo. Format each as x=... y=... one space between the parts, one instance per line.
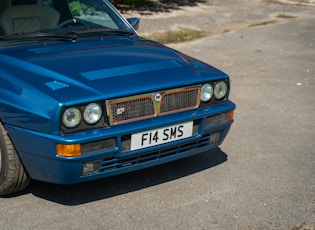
x=13 y=177
x=4 y=161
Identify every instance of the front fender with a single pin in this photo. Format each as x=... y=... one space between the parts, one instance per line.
x=24 y=106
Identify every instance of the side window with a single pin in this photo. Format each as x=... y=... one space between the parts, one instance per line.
x=88 y=11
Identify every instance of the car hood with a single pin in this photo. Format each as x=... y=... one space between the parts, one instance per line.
x=95 y=69
x=52 y=75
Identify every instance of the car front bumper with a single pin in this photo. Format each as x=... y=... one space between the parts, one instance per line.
x=40 y=159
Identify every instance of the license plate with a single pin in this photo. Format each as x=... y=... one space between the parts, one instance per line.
x=161 y=136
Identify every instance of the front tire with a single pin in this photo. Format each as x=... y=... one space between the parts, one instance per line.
x=13 y=177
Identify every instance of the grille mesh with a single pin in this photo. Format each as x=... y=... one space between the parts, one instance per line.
x=179 y=100
x=133 y=109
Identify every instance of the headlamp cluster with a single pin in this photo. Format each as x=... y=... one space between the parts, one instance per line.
x=89 y=114
x=218 y=90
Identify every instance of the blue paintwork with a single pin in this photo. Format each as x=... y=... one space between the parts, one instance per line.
x=28 y=71
x=38 y=80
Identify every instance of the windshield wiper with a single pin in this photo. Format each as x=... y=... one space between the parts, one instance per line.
x=71 y=36
x=42 y=36
x=92 y=31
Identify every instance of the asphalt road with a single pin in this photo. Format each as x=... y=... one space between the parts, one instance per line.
x=262 y=177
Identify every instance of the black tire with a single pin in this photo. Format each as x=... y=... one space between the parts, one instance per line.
x=13 y=177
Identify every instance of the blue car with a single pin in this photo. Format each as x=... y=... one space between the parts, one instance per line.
x=84 y=97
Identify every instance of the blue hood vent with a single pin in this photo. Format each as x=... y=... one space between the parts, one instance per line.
x=55 y=85
x=131 y=69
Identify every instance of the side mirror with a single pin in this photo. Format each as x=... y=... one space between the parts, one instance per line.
x=134 y=22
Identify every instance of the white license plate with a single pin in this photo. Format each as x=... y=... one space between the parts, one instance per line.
x=161 y=136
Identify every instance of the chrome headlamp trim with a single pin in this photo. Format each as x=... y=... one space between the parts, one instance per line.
x=71 y=117
x=206 y=92
x=220 y=90
x=92 y=113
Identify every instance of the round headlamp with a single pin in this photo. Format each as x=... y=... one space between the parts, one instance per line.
x=92 y=113
x=71 y=117
x=206 y=92
x=220 y=90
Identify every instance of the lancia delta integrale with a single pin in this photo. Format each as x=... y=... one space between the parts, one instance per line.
x=83 y=96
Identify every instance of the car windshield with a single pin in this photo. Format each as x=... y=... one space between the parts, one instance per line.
x=33 y=20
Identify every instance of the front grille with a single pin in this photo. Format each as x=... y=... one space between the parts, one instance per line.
x=113 y=163
x=175 y=101
x=131 y=109
x=152 y=104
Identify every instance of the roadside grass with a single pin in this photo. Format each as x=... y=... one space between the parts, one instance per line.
x=263 y=23
x=303 y=227
x=285 y=16
x=188 y=34
x=176 y=36
x=281 y=16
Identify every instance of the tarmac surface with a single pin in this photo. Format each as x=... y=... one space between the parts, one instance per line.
x=262 y=176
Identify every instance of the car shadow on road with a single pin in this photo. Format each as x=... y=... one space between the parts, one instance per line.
x=117 y=185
